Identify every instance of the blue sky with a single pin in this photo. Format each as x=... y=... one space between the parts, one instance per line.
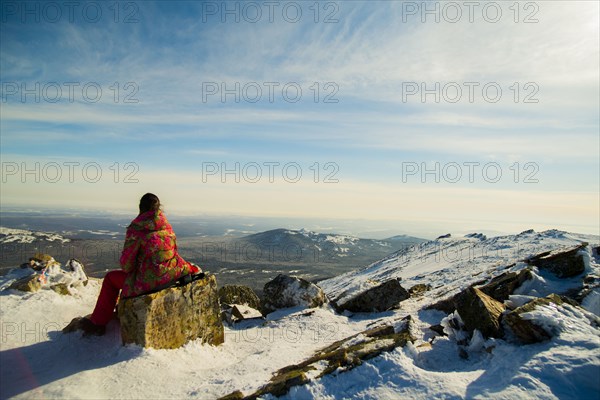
x=367 y=57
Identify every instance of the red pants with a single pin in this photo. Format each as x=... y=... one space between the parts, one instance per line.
x=107 y=300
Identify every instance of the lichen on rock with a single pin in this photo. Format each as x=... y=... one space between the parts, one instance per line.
x=171 y=317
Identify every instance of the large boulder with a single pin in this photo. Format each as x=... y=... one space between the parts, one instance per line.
x=526 y=330
x=239 y=294
x=562 y=263
x=171 y=317
x=502 y=286
x=383 y=297
x=480 y=311
x=290 y=291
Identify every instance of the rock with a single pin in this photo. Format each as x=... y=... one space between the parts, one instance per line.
x=480 y=311
x=505 y=284
x=40 y=261
x=239 y=294
x=526 y=330
x=446 y=236
x=43 y=257
x=338 y=357
x=290 y=291
x=439 y=329
x=171 y=317
x=476 y=235
x=29 y=283
x=380 y=298
x=445 y=305
x=237 y=395
x=243 y=312
x=239 y=312
x=61 y=288
x=562 y=263
x=419 y=289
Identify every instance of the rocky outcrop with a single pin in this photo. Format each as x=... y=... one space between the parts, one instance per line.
x=380 y=298
x=502 y=286
x=499 y=288
x=44 y=272
x=171 y=317
x=479 y=311
x=526 y=330
x=338 y=357
x=290 y=291
x=562 y=263
x=239 y=294
x=29 y=283
x=419 y=289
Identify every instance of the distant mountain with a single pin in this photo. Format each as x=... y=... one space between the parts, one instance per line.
x=326 y=246
x=405 y=239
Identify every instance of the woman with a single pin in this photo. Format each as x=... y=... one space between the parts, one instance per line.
x=149 y=261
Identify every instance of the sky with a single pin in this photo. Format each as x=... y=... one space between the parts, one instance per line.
x=426 y=117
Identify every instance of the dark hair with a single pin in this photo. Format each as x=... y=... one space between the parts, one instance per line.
x=149 y=202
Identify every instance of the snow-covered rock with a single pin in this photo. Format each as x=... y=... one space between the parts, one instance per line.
x=46 y=274
x=502 y=286
x=383 y=297
x=592 y=302
x=291 y=291
x=530 y=323
x=563 y=263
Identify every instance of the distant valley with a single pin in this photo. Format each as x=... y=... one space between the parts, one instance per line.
x=251 y=259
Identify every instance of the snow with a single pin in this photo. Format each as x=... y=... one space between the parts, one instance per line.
x=592 y=302
x=72 y=275
x=10 y=235
x=516 y=300
x=100 y=367
x=101 y=232
x=454 y=259
x=38 y=361
x=566 y=367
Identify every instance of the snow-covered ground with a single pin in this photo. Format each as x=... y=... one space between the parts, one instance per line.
x=10 y=235
x=38 y=361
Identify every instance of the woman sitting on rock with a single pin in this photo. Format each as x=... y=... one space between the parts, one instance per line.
x=149 y=261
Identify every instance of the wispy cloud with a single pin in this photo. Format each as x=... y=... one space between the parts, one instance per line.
x=370 y=55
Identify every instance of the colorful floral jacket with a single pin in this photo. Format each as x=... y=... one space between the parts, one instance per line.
x=150 y=255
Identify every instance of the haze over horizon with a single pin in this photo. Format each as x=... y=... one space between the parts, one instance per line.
x=384 y=116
